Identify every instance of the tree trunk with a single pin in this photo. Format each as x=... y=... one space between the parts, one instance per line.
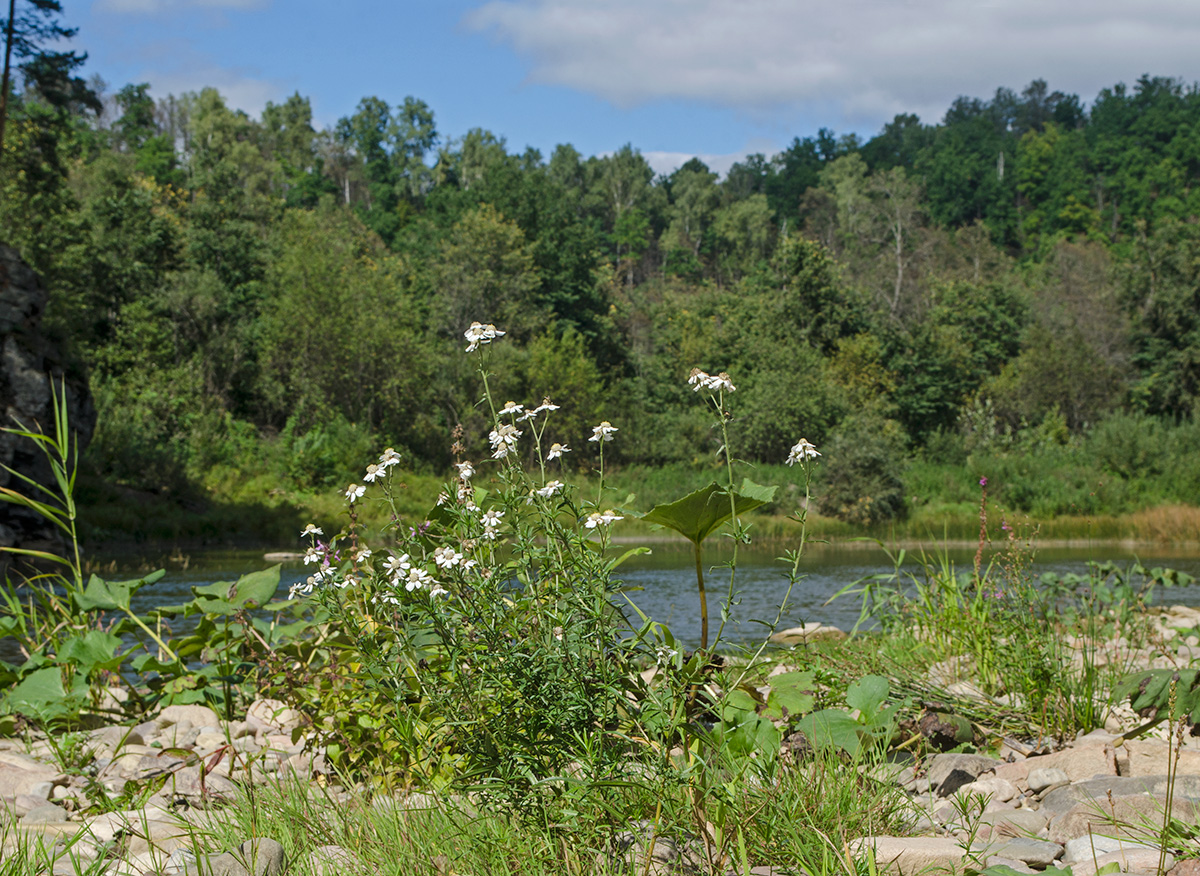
x=8 y=41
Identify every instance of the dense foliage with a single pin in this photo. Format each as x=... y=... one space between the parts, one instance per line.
x=251 y=294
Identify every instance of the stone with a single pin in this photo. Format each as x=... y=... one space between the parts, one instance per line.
x=996 y=790
x=1014 y=822
x=1149 y=757
x=1080 y=764
x=1084 y=848
x=1186 y=867
x=653 y=855
x=1045 y=777
x=1132 y=860
x=1061 y=799
x=806 y=633
x=195 y=715
x=47 y=813
x=257 y=856
x=186 y=783
x=274 y=716
x=912 y=854
x=1125 y=816
x=37 y=780
x=1038 y=853
x=1011 y=863
x=949 y=772
x=107 y=741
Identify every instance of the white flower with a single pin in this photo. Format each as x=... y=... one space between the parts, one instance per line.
x=802 y=451
x=388 y=458
x=438 y=590
x=348 y=581
x=698 y=380
x=721 y=381
x=491 y=518
x=311 y=529
x=300 y=588
x=397 y=566
x=664 y=655
x=504 y=439
x=466 y=495
x=364 y=554
x=510 y=408
x=481 y=334
x=551 y=489
x=603 y=432
x=466 y=470
x=374 y=471
x=546 y=405
x=443 y=498
x=385 y=598
x=355 y=491
x=447 y=557
x=556 y=451
x=417 y=578
x=597 y=518
x=312 y=555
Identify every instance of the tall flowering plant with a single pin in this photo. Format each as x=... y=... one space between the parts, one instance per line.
x=490 y=624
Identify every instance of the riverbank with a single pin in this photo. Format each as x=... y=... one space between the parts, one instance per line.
x=187 y=791
x=247 y=513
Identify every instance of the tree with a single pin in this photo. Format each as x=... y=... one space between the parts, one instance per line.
x=26 y=31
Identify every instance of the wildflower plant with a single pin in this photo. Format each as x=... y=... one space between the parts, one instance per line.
x=488 y=633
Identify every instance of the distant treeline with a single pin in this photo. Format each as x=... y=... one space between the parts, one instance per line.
x=252 y=294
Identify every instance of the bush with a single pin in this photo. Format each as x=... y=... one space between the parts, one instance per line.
x=866 y=460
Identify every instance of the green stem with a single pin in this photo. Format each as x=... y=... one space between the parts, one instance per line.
x=153 y=635
x=703 y=599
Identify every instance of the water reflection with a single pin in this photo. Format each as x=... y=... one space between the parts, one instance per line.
x=662 y=584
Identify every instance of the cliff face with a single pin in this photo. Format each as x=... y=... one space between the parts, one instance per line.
x=28 y=364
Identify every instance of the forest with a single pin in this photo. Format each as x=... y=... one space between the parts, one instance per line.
x=260 y=304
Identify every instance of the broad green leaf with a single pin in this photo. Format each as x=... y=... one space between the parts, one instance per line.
x=867 y=695
x=96 y=650
x=791 y=691
x=698 y=514
x=248 y=592
x=40 y=693
x=112 y=595
x=832 y=728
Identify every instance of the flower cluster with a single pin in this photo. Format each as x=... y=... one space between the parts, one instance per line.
x=802 y=451
x=377 y=470
x=481 y=334
x=699 y=380
x=603 y=433
x=601 y=518
x=504 y=440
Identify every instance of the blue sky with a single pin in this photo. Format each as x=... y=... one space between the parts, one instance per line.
x=714 y=78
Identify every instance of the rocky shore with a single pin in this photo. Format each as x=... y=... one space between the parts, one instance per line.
x=1096 y=804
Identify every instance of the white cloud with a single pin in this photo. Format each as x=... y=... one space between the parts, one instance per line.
x=868 y=59
x=153 y=7
x=240 y=89
x=669 y=162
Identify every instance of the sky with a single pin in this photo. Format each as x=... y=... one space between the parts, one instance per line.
x=717 y=79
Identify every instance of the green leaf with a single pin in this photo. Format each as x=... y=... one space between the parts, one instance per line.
x=790 y=691
x=112 y=595
x=698 y=514
x=867 y=695
x=248 y=592
x=96 y=650
x=39 y=694
x=832 y=728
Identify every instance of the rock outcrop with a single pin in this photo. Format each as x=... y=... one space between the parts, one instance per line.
x=32 y=370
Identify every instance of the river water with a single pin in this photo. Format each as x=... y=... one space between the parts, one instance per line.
x=664 y=585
